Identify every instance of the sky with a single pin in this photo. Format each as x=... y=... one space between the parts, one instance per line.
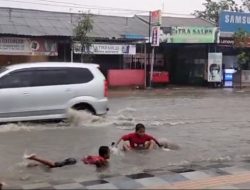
x=110 y=7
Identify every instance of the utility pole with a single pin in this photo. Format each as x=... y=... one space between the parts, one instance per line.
x=145 y=65
x=152 y=67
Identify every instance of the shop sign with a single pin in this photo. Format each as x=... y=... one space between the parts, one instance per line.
x=189 y=35
x=233 y=21
x=229 y=41
x=155 y=36
x=214 y=69
x=27 y=46
x=107 y=49
x=155 y=17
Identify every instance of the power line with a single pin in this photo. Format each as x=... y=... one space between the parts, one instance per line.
x=89 y=6
x=75 y=5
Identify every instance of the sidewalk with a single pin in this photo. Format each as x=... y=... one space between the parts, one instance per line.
x=216 y=176
x=233 y=181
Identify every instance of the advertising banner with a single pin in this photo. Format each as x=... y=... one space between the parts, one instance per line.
x=214 y=69
x=107 y=49
x=229 y=41
x=27 y=46
x=233 y=21
x=189 y=34
x=155 y=36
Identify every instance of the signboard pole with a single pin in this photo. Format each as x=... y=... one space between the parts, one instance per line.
x=152 y=67
x=155 y=17
x=145 y=65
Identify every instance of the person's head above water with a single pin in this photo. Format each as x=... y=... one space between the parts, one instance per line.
x=104 y=152
x=140 y=129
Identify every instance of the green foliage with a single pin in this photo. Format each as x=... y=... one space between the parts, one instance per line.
x=213 y=8
x=81 y=31
x=243 y=60
x=240 y=42
x=240 y=38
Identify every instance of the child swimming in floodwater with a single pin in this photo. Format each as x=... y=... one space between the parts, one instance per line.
x=99 y=161
x=138 y=140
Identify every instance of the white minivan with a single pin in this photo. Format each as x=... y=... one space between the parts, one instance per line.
x=46 y=90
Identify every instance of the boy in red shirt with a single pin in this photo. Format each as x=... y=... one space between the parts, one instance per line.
x=138 y=140
x=101 y=160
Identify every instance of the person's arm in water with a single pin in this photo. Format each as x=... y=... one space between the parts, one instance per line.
x=117 y=143
x=156 y=141
x=124 y=138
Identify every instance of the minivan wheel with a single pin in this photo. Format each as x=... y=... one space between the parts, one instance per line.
x=84 y=107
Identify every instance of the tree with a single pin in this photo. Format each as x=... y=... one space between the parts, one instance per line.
x=81 y=31
x=241 y=42
x=213 y=8
x=246 y=4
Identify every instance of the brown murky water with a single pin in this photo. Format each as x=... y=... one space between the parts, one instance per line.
x=210 y=125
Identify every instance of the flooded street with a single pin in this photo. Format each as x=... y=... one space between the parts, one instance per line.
x=209 y=125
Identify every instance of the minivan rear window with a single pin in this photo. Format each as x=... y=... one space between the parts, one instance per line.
x=79 y=75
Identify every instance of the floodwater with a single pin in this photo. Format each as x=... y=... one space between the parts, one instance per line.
x=209 y=125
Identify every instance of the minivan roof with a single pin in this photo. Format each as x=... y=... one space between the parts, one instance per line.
x=51 y=64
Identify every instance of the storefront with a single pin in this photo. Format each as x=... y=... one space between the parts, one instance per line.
x=186 y=52
x=26 y=49
x=231 y=23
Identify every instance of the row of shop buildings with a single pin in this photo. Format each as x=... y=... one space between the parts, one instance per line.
x=122 y=43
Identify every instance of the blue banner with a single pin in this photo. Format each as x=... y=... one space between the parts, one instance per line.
x=233 y=21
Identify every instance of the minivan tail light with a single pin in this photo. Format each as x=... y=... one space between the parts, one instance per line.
x=105 y=88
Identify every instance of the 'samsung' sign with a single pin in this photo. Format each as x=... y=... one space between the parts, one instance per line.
x=233 y=21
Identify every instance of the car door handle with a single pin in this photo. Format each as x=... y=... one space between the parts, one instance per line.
x=26 y=93
x=68 y=90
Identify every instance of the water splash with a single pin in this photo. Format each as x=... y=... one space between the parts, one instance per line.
x=116 y=151
x=126 y=110
x=15 y=127
x=167 y=145
x=120 y=119
x=220 y=159
x=85 y=119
